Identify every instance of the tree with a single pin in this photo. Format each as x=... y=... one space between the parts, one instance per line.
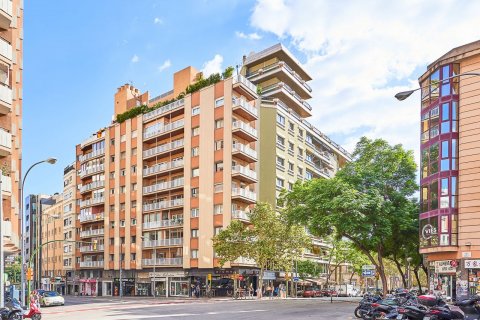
x=270 y=240
x=363 y=202
x=308 y=268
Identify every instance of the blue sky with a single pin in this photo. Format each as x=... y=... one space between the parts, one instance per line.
x=76 y=54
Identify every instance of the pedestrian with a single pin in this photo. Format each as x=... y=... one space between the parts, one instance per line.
x=192 y=290
x=270 y=291
x=197 y=291
x=283 y=292
x=259 y=293
x=250 y=291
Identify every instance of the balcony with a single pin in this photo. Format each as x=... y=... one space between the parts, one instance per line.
x=5 y=143
x=5 y=99
x=163 y=262
x=91 y=233
x=285 y=93
x=162 y=224
x=325 y=156
x=162 y=167
x=91 y=170
x=6 y=12
x=163 y=186
x=158 y=131
x=244 y=261
x=6 y=184
x=91 y=264
x=91 y=217
x=162 y=111
x=244 y=152
x=244 y=195
x=240 y=215
x=244 y=86
x=244 y=131
x=92 y=185
x=322 y=172
x=98 y=248
x=163 y=148
x=92 y=155
x=5 y=50
x=92 y=202
x=92 y=139
x=163 y=205
x=245 y=109
x=244 y=174
x=163 y=243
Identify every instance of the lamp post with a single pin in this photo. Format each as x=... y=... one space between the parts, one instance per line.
x=409 y=260
x=22 y=227
x=154 y=264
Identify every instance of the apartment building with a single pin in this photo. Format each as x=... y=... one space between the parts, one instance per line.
x=11 y=65
x=291 y=149
x=449 y=171
x=69 y=225
x=154 y=189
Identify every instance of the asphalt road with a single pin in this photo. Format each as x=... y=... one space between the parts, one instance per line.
x=114 y=309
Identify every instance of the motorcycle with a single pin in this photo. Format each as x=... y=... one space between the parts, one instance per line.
x=365 y=305
x=471 y=307
x=12 y=310
x=417 y=312
x=445 y=313
x=34 y=313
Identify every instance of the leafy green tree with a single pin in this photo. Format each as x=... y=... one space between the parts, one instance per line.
x=308 y=268
x=270 y=240
x=362 y=202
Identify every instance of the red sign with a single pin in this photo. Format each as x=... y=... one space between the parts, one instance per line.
x=454 y=263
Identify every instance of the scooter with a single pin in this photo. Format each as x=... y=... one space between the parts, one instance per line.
x=34 y=313
x=471 y=307
x=445 y=313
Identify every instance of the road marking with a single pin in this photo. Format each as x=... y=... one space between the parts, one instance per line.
x=128 y=317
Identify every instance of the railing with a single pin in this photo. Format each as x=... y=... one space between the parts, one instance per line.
x=100 y=247
x=91 y=217
x=163 y=95
x=240 y=214
x=92 y=185
x=91 y=170
x=244 y=193
x=163 y=242
x=92 y=232
x=5 y=139
x=163 y=223
x=93 y=201
x=167 y=108
x=6 y=184
x=163 y=186
x=241 y=79
x=163 y=148
x=243 y=260
x=162 y=167
x=287 y=67
x=91 y=264
x=162 y=262
x=245 y=127
x=157 y=129
x=292 y=92
x=244 y=149
x=245 y=171
x=6 y=5
x=93 y=138
x=242 y=103
x=92 y=154
x=5 y=49
x=5 y=94
x=163 y=205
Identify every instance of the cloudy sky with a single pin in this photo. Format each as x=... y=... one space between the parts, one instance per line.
x=360 y=53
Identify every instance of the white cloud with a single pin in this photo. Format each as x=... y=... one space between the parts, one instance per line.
x=164 y=65
x=251 y=36
x=157 y=20
x=361 y=53
x=135 y=58
x=213 y=66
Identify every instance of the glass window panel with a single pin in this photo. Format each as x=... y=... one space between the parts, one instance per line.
x=446 y=89
x=434 y=112
x=445 y=128
x=434 y=195
x=445 y=111
x=454 y=110
x=434 y=132
x=454 y=223
x=446 y=71
x=444 y=224
x=445 y=151
x=453 y=187
x=456 y=68
x=434 y=168
x=454 y=164
x=425 y=163
x=444 y=187
x=425 y=89
x=454 y=126
x=454 y=148
x=445 y=165
x=444 y=202
x=424 y=198
x=444 y=239
x=434 y=152
x=434 y=84
x=453 y=242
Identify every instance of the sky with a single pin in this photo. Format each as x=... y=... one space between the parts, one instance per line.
x=359 y=53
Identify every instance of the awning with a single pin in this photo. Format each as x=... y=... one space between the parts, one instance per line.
x=318 y=281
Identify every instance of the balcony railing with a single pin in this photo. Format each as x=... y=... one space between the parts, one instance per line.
x=163 y=205
x=163 y=186
x=5 y=94
x=242 y=103
x=6 y=5
x=163 y=242
x=91 y=202
x=162 y=167
x=243 y=260
x=91 y=264
x=5 y=139
x=240 y=214
x=241 y=79
x=5 y=47
x=245 y=127
x=91 y=170
x=163 y=262
x=92 y=185
x=157 y=129
x=286 y=87
x=163 y=148
x=92 y=155
x=99 y=247
x=6 y=184
x=245 y=193
x=167 y=108
x=244 y=149
x=92 y=139
x=162 y=223
x=91 y=217
x=91 y=233
x=245 y=171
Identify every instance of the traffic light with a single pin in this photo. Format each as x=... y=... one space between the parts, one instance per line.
x=29 y=274
x=95 y=244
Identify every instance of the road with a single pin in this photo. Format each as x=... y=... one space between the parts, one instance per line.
x=78 y=308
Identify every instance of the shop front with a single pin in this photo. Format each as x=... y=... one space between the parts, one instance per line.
x=107 y=288
x=158 y=282
x=88 y=287
x=443 y=278
x=128 y=285
x=473 y=269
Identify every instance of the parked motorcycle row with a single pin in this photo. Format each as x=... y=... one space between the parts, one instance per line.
x=14 y=311
x=405 y=306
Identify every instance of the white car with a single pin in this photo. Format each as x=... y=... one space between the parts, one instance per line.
x=51 y=298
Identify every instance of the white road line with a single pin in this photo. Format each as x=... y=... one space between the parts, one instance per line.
x=128 y=317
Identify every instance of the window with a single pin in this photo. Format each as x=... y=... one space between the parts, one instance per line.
x=194 y=233
x=300 y=152
x=112 y=142
x=122 y=206
x=217 y=230
x=195 y=172
x=280 y=141
x=454 y=116
x=434 y=113
x=112 y=208
x=218 y=209
x=291 y=127
x=112 y=224
x=133 y=169
x=219 y=145
x=112 y=175
x=194 y=254
x=122 y=189
x=280 y=119
x=134 y=187
x=194 y=151
x=218 y=123
x=433 y=195
x=123 y=155
x=445 y=161
x=454 y=192
x=300 y=171
x=134 y=134
x=194 y=212
x=300 y=133
x=195 y=131
x=112 y=158
x=291 y=147
x=134 y=151
x=133 y=204
x=454 y=155
x=122 y=223
x=308 y=175
x=195 y=111
x=444 y=198
x=219 y=166
x=123 y=172
x=219 y=102
x=280 y=183
x=445 y=128
x=218 y=187
x=194 y=192
x=280 y=162
x=123 y=138
x=291 y=167
x=290 y=186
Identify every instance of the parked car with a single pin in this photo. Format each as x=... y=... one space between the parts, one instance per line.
x=329 y=293
x=51 y=298
x=311 y=292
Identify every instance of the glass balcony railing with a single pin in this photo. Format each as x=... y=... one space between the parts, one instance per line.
x=240 y=214
x=163 y=186
x=91 y=155
x=245 y=127
x=163 y=205
x=242 y=80
x=91 y=233
x=163 y=242
x=91 y=217
x=155 y=130
x=162 y=223
x=163 y=148
x=5 y=139
x=91 y=264
x=243 y=104
x=163 y=262
x=245 y=193
x=244 y=149
x=245 y=171
x=162 y=110
x=162 y=167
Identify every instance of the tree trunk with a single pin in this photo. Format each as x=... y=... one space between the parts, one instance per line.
x=382 y=271
x=400 y=270
x=415 y=271
x=351 y=277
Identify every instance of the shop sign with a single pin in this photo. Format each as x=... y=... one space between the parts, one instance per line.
x=445 y=266
x=165 y=274
x=224 y=271
x=472 y=264
x=428 y=231
x=269 y=275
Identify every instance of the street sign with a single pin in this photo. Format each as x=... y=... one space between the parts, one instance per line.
x=368 y=267
x=296 y=279
x=368 y=273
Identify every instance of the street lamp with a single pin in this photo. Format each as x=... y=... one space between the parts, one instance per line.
x=409 y=259
x=22 y=231
x=154 y=264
